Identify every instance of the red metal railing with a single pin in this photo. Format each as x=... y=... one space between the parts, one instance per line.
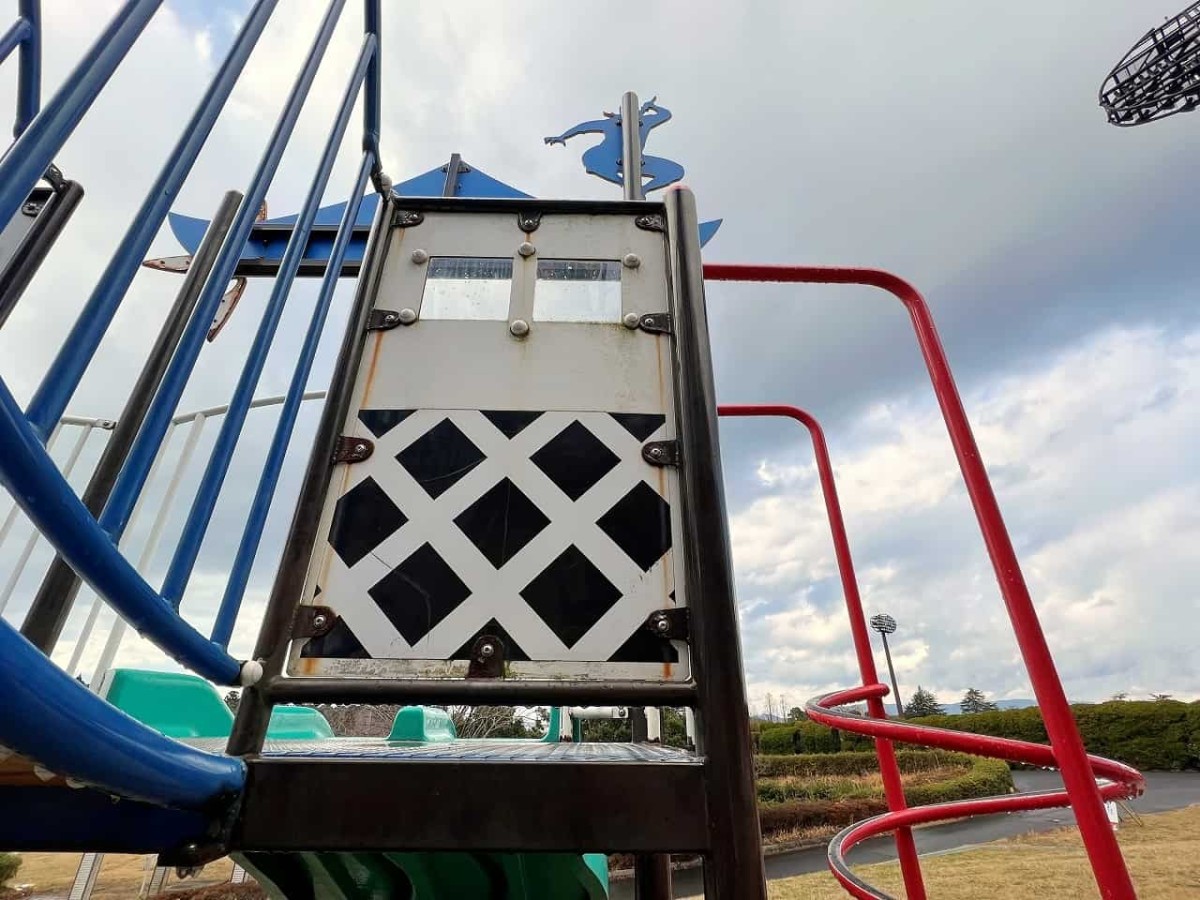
x=1066 y=751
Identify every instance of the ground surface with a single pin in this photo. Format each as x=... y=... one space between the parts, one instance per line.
x=1163 y=854
x=1165 y=791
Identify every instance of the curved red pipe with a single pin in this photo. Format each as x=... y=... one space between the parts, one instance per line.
x=889 y=769
x=1108 y=865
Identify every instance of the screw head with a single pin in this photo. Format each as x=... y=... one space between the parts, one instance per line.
x=662 y=625
x=30 y=209
x=319 y=620
x=408 y=316
x=360 y=449
x=519 y=327
x=656 y=452
x=420 y=257
x=487 y=651
x=631 y=260
x=526 y=249
x=631 y=321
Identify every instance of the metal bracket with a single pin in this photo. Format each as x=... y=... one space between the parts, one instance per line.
x=661 y=453
x=529 y=220
x=651 y=222
x=383 y=320
x=313 y=622
x=487 y=658
x=350 y=449
x=407 y=218
x=54 y=177
x=656 y=323
x=672 y=624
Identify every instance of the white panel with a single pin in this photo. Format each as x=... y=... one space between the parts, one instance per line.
x=507 y=493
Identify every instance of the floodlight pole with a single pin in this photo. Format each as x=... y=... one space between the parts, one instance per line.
x=892 y=672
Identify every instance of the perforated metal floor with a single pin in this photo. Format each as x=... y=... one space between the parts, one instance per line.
x=480 y=750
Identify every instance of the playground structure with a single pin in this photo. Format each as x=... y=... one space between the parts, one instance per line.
x=536 y=518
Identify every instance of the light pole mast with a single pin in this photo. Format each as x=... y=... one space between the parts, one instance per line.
x=886 y=625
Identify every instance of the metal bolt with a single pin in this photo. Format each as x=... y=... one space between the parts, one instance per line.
x=661 y=624
x=420 y=257
x=631 y=260
x=408 y=316
x=319 y=620
x=519 y=327
x=360 y=449
x=656 y=452
x=632 y=321
x=526 y=249
x=31 y=209
x=487 y=651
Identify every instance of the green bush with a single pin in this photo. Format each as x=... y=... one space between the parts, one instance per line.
x=1148 y=734
x=9 y=864
x=799 y=737
x=985 y=778
x=853 y=762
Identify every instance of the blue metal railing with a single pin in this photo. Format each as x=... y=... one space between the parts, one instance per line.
x=26 y=34
x=88 y=544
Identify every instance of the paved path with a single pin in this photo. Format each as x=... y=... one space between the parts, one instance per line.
x=1164 y=791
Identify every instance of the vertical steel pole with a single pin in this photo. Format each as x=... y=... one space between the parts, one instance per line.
x=29 y=72
x=631 y=146
x=733 y=869
x=52 y=604
x=887 y=651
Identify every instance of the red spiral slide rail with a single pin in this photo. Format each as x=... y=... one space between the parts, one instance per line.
x=1082 y=792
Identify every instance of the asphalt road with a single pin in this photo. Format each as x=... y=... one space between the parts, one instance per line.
x=1164 y=791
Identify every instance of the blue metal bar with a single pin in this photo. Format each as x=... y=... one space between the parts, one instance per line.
x=56 y=721
x=33 y=152
x=194 y=529
x=67 y=370
x=29 y=72
x=137 y=467
x=14 y=37
x=46 y=497
x=372 y=115
x=239 y=575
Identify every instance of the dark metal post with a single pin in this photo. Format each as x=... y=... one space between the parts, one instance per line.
x=52 y=604
x=254 y=711
x=453 y=168
x=631 y=146
x=52 y=217
x=652 y=877
x=892 y=672
x=733 y=869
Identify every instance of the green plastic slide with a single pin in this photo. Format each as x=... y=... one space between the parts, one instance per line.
x=185 y=706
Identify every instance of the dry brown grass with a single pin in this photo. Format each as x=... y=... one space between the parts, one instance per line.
x=1163 y=855
x=51 y=874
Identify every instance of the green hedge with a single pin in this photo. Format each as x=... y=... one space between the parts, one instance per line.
x=1150 y=734
x=853 y=762
x=982 y=778
x=976 y=777
x=9 y=864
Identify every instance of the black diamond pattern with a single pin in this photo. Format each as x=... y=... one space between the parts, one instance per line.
x=501 y=522
x=381 y=421
x=644 y=647
x=339 y=642
x=571 y=595
x=640 y=425
x=640 y=524
x=575 y=460
x=440 y=457
x=510 y=422
x=364 y=517
x=512 y=650
x=419 y=593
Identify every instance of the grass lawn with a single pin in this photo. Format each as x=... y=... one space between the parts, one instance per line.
x=52 y=874
x=1163 y=855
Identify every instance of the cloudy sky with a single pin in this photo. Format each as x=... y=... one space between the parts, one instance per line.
x=958 y=145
